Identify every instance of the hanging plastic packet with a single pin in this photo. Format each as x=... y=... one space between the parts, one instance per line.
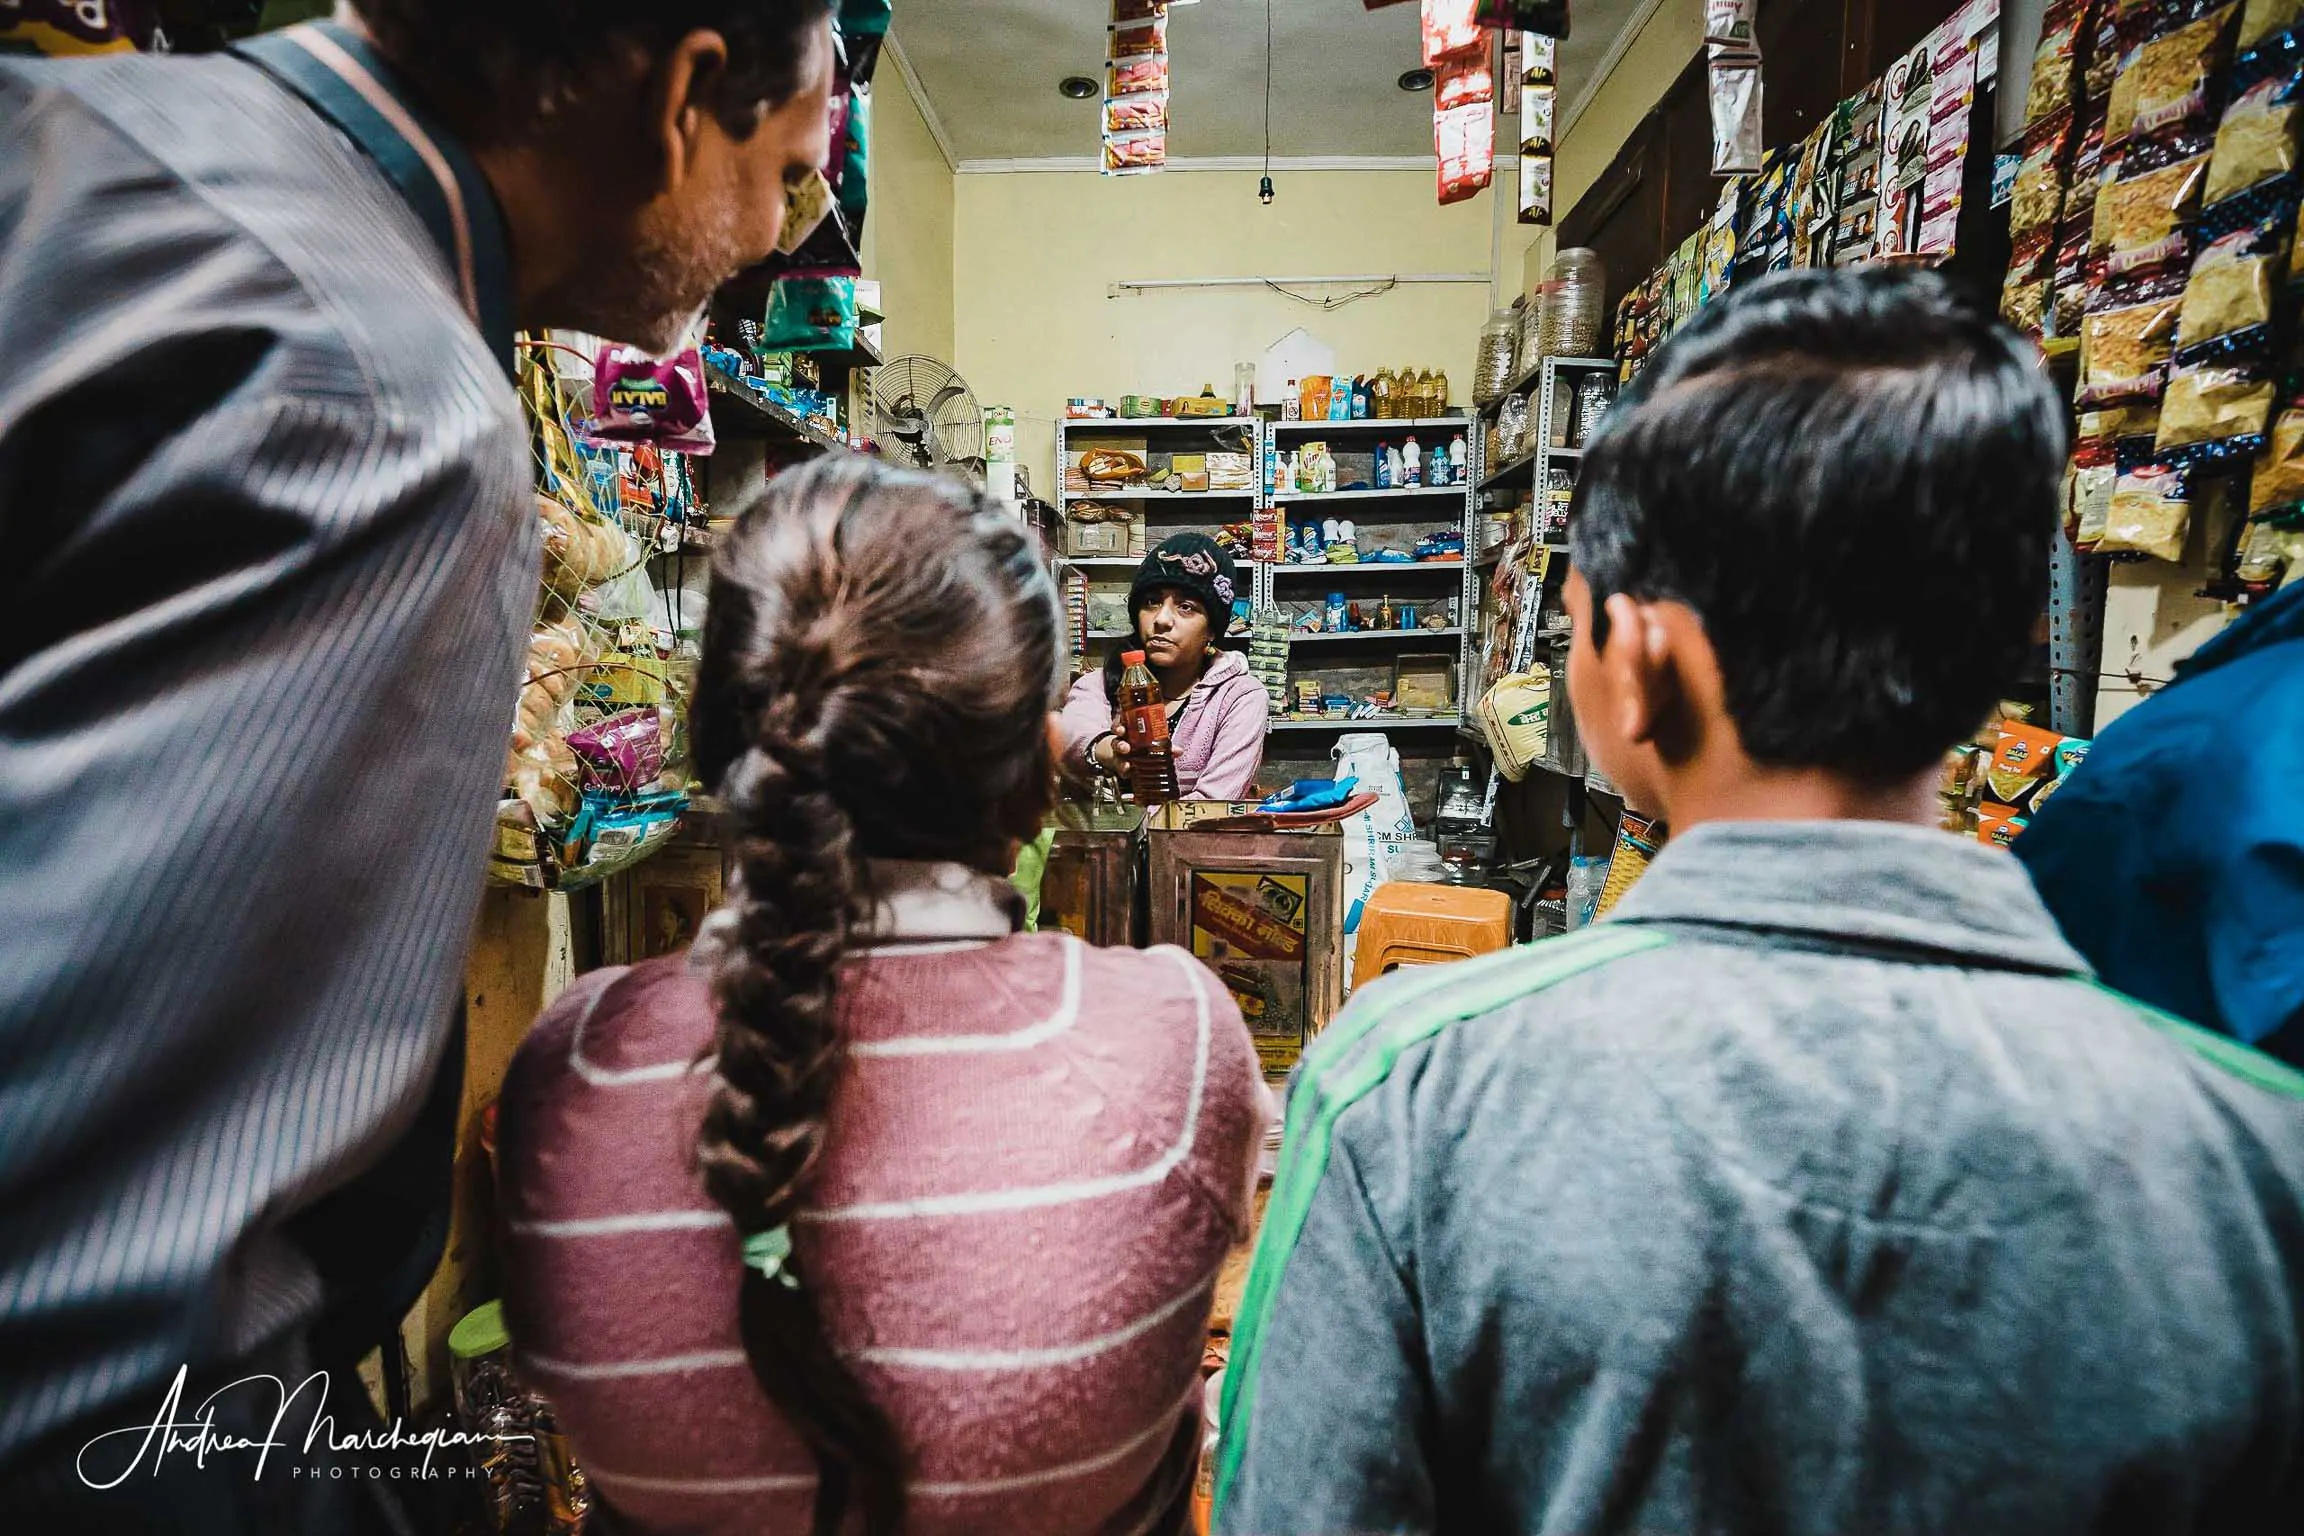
x=2127 y=344
x=2215 y=410
x=2150 y=513
x=1464 y=126
x=2177 y=76
x=2256 y=147
x=1134 y=76
x=2278 y=484
x=2229 y=300
x=856 y=155
x=2055 y=82
x=1451 y=29
x=811 y=314
x=641 y=399
x=1539 y=106
x=1733 y=85
x=1139 y=39
x=2038 y=200
x=1542 y=18
x=76 y=28
x=1133 y=154
x=1736 y=96
x=623 y=754
x=1136 y=114
x=2152 y=215
x=2261 y=20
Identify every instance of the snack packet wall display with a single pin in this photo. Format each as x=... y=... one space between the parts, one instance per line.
x=1998 y=826
x=1139 y=39
x=2029 y=764
x=641 y=399
x=1125 y=115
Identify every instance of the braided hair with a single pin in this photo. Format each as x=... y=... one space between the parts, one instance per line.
x=880 y=655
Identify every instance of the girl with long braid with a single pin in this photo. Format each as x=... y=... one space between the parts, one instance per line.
x=872 y=1214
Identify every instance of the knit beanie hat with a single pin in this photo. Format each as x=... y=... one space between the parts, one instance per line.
x=1194 y=564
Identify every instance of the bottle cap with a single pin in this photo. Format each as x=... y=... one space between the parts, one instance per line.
x=1131 y=658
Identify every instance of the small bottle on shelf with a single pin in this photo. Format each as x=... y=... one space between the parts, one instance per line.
x=1459 y=460
x=1412 y=461
x=1292 y=404
x=1382 y=478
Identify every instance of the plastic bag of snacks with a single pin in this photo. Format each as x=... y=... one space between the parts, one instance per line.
x=641 y=399
x=2150 y=513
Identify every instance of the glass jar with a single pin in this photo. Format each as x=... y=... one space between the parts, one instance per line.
x=1511 y=428
x=1595 y=392
x=1499 y=357
x=1574 y=292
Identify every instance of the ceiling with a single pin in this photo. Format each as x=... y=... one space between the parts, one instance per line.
x=990 y=68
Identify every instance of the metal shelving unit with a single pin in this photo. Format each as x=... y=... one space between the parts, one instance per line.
x=1458 y=504
x=1563 y=752
x=1222 y=506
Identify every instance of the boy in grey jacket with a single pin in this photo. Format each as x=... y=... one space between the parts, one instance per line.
x=1822 y=1190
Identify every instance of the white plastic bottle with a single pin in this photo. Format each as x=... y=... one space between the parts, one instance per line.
x=1292 y=404
x=1412 y=462
x=1458 y=468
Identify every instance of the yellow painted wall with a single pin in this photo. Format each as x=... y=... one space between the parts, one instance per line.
x=1037 y=252
x=908 y=232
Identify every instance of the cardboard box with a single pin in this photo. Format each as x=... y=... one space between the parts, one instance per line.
x=1425 y=682
x=1095 y=540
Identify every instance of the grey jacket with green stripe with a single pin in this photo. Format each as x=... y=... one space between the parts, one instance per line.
x=1821 y=1191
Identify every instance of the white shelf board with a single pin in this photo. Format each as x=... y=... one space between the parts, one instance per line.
x=1368 y=568
x=1377 y=424
x=1120 y=426
x=1119 y=494
x=1289 y=498
x=1380 y=723
x=1324 y=637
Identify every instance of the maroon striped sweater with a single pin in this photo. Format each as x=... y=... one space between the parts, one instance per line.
x=1039 y=1157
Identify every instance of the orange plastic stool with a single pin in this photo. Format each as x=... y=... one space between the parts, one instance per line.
x=1405 y=924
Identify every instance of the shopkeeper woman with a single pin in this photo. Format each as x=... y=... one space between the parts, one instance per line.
x=1217 y=712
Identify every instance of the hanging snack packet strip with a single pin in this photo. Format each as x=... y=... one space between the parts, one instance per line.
x=1539 y=104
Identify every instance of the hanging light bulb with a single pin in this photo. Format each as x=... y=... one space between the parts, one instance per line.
x=1264 y=190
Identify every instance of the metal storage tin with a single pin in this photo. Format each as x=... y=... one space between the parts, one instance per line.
x=1093 y=887
x=1265 y=912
